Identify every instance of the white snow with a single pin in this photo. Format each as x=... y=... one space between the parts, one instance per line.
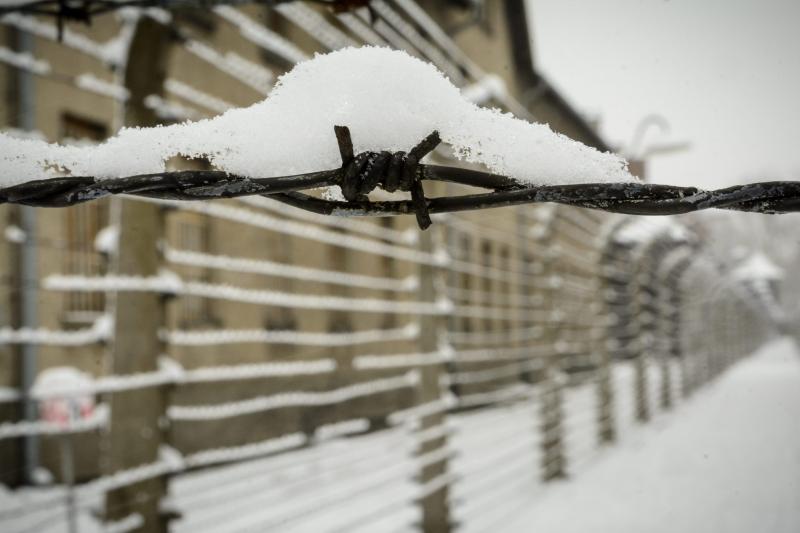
x=24 y=61
x=726 y=461
x=112 y=52
x=101 y=329
x=483 y=90
x=389 y=100
x=290 y=399
x=271 y=268
x=91 y=83
x=7 y=394
x=170 y=283
x=15 y=234
x=107 y=240
x=251 y=74
x=171 y=111
x=641 y=230
x=256 y=32
x=307 y=338
x=196 y=96
x=758 y=266
x=123 y=525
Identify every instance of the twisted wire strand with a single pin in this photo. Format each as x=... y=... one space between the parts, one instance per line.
x=361 y=173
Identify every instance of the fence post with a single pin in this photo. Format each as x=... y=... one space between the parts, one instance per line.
x=434 y=498
x=649 y=316
x=606 y=430
x=674 y=332
x=640 y=361
x=135 y=433
x=611 y=334
x=550 y=408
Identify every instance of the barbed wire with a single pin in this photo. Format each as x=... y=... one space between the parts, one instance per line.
x=83 y=10
x=361 y=173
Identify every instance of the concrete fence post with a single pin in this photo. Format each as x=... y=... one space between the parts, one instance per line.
x=606 y=429
x=434 y=498
x=550 y=396
x=136 y=431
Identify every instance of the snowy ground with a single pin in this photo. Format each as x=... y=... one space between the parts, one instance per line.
x=727 y=461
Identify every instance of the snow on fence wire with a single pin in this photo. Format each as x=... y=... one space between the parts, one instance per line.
x=360 y=175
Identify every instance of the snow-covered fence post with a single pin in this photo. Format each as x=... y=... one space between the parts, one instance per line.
x=135 y=434
x=432 y=477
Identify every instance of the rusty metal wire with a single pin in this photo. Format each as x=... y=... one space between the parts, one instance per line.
x=362 y=173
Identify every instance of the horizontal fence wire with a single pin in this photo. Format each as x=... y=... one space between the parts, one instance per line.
x=628 y=198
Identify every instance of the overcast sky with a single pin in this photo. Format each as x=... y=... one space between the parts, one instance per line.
x=724 y=74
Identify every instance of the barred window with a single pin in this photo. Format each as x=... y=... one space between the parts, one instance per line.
x=486 y=261
x=193 y=234
x=505 y=292
x=465 y=254
x=389 y=270
x=81 y=225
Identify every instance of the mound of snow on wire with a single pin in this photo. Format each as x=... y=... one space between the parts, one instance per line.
x=389 y=100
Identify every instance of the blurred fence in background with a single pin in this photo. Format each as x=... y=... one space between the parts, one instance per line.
x=422 y=381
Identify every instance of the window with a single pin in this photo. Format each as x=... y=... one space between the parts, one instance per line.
x=505 y=291
x=389 y=270
x=191 y=232
x=81 y=225
x=339 y=260
x=486 y=261
x=193 y=235
x=464 y=285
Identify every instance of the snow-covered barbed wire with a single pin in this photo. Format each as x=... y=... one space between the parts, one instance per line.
x=170 y=283
x=305 y=338
x=292 y=399
x=169 y=373
x=513 y=392
x=24 y=428
x=272 y=268
x=371 y=362
x=526 y=162
x=629 y=198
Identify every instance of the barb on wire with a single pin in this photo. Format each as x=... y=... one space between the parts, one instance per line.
x=362 y=173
